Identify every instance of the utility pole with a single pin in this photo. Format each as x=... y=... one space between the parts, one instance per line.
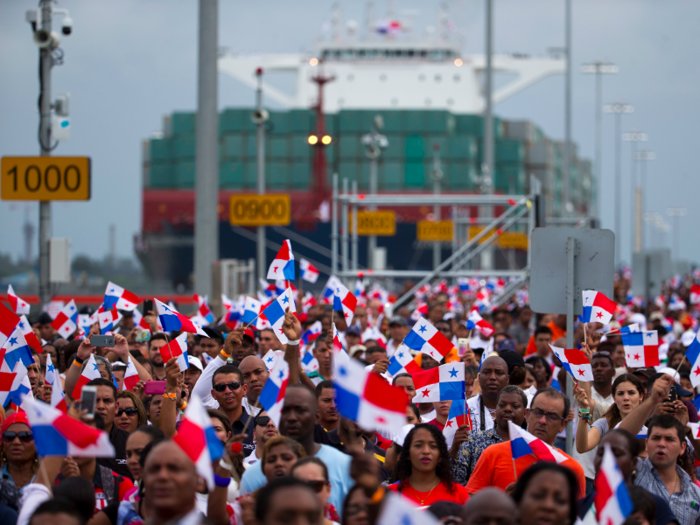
x=676 y=213
x=206 y=226
x=260 y=116
x=437 y=178
x=635 y=199
x=374 y=142
x=599 y=68
x=618 y=109
x=567 y=113
x=644 y=156
x=487 y=164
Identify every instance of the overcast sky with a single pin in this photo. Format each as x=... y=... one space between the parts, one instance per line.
x=130 y=62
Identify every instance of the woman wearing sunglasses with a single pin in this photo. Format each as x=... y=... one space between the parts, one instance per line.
x=18 y=454
x=314 y=473
x=130 y=413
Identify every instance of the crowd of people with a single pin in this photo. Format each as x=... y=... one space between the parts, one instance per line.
x=319 y=467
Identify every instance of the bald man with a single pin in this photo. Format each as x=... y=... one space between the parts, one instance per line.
x=489 y=506
x=255 y=376
x=493 y=377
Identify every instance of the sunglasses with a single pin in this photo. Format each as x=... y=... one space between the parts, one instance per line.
x=221 y=387
x=127 y=411
x=316 y=485
x=262 y=421
x=24 y=436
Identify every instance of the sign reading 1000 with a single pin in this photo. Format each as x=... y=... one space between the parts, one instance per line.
x=45 y=178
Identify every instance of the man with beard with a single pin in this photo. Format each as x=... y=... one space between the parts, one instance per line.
x=493 y=377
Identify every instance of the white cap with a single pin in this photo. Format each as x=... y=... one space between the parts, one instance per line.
x=401 y=436
x=677 y=305
x=639 y=319
x=194 y=361
x=687 y=338
x=671 y=372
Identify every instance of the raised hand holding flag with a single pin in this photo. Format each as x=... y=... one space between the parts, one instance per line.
x=275 y=311
x=176 y=348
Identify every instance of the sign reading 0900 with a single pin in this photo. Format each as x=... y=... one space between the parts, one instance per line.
x=45 y=178
x=260 y=210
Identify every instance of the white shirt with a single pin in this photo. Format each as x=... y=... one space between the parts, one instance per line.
x=474 y=406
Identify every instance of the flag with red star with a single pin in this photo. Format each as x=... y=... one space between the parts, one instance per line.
x=641 y=349
x=440 y=384
x=344 y=301
x=597 y=308
x=575 y=363
x=693 y=356
x=458 y=416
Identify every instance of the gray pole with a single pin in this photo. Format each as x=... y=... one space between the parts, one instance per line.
x=437 y=175
x=206 y=227
x=334 y=226
x=355 y=240
x=633 y=191
x=372 y=239
x=618 y=187
x=567 y=111
x=345 y=225
x=260 y=139
x=487 y=166
x=45 y=145
x=598 y=134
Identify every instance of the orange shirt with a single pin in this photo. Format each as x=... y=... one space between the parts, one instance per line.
x=495 y=469
x=459 y=494
x=556 y=334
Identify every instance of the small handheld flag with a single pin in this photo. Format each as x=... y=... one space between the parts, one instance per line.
x=131 y=376
x=108 y=320
x=251 y=310
x=173 y=321
x=693 y=356
x=89 y=373
x=523 y=443
x=16 y=349
x=272 y=395
x=458 y=416
x=641 y=349
x=612 y=500
x=344 y=301
x=176 y=348
x=119 y=298
x=440 y=384
x=20 y=306
x=66 y=322
x=29 y=335
x=282 y=266
x=402 y=362
x=275 y=311
x=575 y=363
x=475 y=321
x=425 y=338
x=597 y=308
x=308 y=271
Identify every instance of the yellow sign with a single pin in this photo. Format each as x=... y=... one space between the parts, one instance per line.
x=260 y=210
x=375 y=223
x=517 y=240
x=45 y=178
x=434 y=231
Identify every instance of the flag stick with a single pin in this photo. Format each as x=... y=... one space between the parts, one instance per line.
x=250 y=323
x=247 y=423
x=585 y=335
x=515 y=471
x=49 y=482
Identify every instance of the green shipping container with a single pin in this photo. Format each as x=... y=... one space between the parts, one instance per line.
x=277 y=175
x=185 y=171
x=510 y=150
x=279 y=123
x=460 y=176
x=430 y=143
x=300 y=174
x=509 y=178
x=301 y=149
x=462 y=147
x=161 y=175
x=413 y=121
x=349 y=146
x=235 y=121
x=414 y=174
x=233 y=146
x=348 y=169
x=160 y=149
x=392 y=121
x=277 y=147
x=348 y=122
x=396 y=148
x=391 y=175
x=301 y=121
x=183 y=123
x=231 y=175
x=414 y=147
x=183 y=147
x=440 y=121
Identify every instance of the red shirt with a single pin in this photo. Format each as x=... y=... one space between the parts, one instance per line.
x=437 y=424
x=458 y=494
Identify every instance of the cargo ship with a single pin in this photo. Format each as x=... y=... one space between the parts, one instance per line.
x=427 y=93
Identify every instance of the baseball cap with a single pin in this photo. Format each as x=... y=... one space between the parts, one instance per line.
x=194 y=361
x=687 y=338
x=214 y=334
x=680 y=391
x=397 y=319
x=44 y=318
x=353 y=330
x=249 y=334
x=507 y=345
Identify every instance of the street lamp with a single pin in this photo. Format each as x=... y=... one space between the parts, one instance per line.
x=635 y=206
x=598 y=68
x=644 y=155
x=618 y=109
x=676 y=213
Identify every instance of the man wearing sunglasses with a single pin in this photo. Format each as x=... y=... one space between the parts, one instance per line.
x=545 y=419
x=228 y=391
x=264 y=429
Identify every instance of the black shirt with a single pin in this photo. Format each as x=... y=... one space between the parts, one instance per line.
x=118 y=439
x=249 y=440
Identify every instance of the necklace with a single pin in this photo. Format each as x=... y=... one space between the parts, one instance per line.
x=422 y=501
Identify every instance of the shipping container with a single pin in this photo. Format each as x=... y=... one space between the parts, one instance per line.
x=231 y=175
x=183 y=123
x=185 y=172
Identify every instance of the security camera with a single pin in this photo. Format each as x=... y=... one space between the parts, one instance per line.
x=43 y=38
x=259 y=116
x=67 y=26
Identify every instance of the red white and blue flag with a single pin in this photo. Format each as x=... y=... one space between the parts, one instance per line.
x=89 y=373
x=20 y=306
x=108 y=320
x=131 y=376
x=308 y=271
x=344 y=301
x=251 y=310
x=360 y=288
x=282 y=266
x=29 y=335
x=612 y=500
x=695 y=294
x=197 y=438
x=226 y=302
x=139 y=321
x=309 y=363
x=442 y=383
x=272 y=395
x=119 y=298
x=630 y=328
x=66 y=322
x=16 y=349
x=58 y=397
x=56 y=434
x=14 y=384
x=310 y=335
x=173 y=321
x=275 y=311
x=458 y=416
x=693 y=356
x=575 y=363
x=402 y=362
x=523 y=443
x=367 y=399
x=176 y=348
x=641 y=349
x=329 y=289
x=597 y=308
x=425 y=338
x=270 y=359
x=475 y=321
x=204 y=311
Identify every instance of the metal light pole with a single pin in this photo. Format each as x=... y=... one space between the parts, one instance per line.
x=487 y=164
x=676 y=213
x=644 y=156
x=260 y=116
x=206 y=226
x=436 y=175
x=618 y=109
x=374 y=142
x=567 y=112
x=635 y=200
x=599 y=68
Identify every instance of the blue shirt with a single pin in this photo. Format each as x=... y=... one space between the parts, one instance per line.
x=338 y=465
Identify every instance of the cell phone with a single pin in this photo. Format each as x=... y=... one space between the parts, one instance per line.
x=672 y=395
x=143 y=336
x=88 y=400
x=154 y=388
x=102 y=340
x=462 y=346
x=148 y=306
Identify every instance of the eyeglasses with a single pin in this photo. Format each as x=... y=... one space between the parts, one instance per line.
x=232 y=386
x=127 y=411
x=316 y=485
x=262 y=421
x=451 y=520
x=24 y=436
x=354 y=510
x=551 y=416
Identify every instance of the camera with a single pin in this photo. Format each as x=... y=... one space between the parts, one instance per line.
x=67 y=26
